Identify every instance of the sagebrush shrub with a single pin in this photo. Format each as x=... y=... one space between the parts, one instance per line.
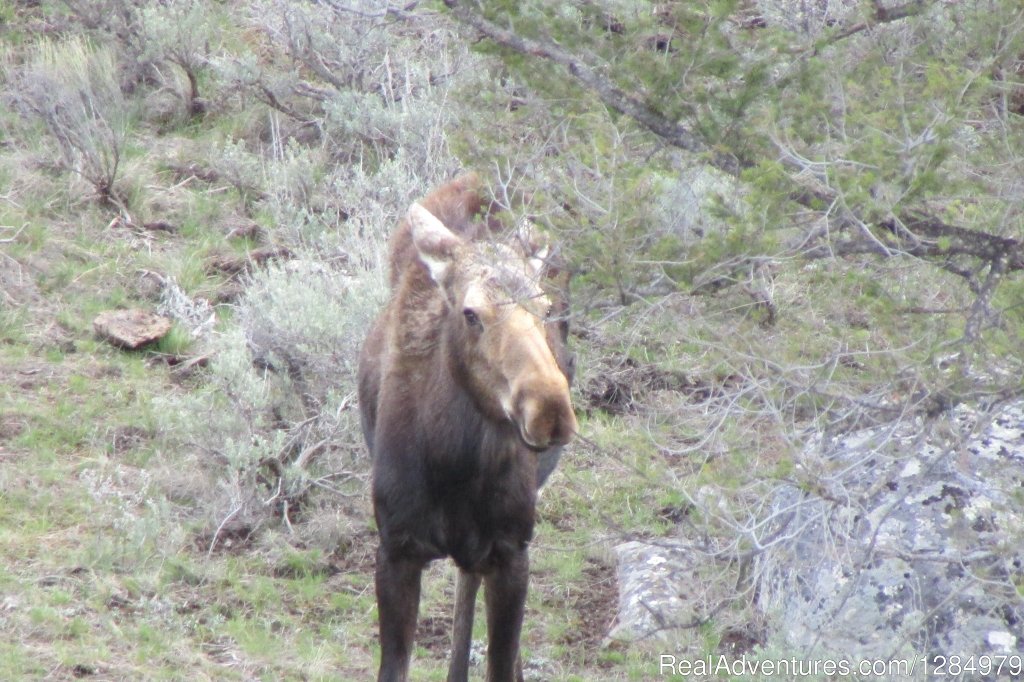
x=71 y=88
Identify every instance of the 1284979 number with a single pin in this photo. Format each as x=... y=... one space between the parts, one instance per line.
x=985 y=664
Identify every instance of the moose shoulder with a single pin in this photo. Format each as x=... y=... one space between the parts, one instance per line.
x=464 y=397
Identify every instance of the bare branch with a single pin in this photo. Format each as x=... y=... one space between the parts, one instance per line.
x=611 y=95
x=982 y=304
x=881 y=15
x=951 y=240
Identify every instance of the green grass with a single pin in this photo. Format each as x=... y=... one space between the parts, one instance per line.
x=13 y=329
x=176 y=342
x=127 y=592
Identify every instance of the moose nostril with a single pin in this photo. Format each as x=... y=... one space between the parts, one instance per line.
x=546 y=422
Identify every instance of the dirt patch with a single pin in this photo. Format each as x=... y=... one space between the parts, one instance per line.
x=30 y=375
x=129 y=438
x=626 y=386
x=356 y=553
x=737 y=641
x=11 y=426
x=80 y=670
x=231 y=538
x=234 y=265
x=595 y=602
x=433 y=633
x=675 y=513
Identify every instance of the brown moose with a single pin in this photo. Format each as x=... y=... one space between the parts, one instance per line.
x=464 y=397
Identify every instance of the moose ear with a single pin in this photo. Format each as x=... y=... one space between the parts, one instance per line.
x=434 y=242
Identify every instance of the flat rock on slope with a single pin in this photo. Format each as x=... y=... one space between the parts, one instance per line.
x=132 y=328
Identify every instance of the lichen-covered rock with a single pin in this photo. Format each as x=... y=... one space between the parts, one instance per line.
x=914 y=545
x=889 y=545
x=655 y=579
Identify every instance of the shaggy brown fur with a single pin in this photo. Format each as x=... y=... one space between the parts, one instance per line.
x=464 y=397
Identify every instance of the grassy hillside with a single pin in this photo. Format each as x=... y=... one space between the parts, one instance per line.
x=199 y=509
x=193 y=510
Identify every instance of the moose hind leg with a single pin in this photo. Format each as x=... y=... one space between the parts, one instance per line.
x=398 y=598
x=505 y=593
x=462 y=626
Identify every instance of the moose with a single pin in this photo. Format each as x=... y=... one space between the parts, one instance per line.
x=464 y=399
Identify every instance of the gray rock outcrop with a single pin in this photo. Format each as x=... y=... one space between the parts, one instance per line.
x=913 y=546
x=889 y=544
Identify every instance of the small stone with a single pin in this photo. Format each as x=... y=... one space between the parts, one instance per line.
x=1001 y=641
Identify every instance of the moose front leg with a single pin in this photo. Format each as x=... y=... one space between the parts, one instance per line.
x=398 y=598
x=505 y=593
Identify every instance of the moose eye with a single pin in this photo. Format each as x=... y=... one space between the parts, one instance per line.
x=472 y=319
